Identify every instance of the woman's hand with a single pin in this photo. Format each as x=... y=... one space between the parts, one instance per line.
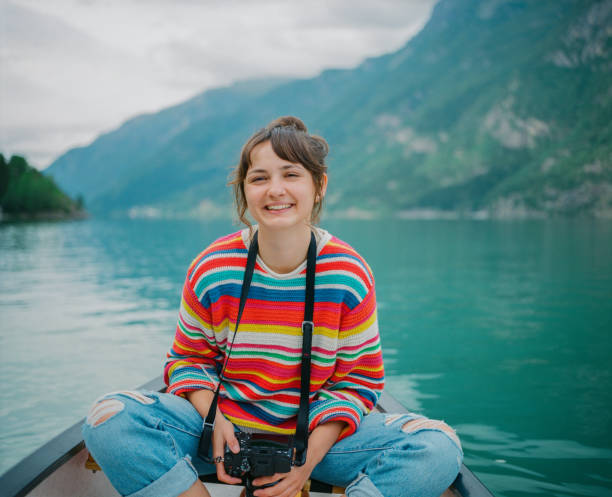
x=289 y=484
x=223 y=435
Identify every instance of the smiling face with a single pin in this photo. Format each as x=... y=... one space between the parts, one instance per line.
x=280 y=195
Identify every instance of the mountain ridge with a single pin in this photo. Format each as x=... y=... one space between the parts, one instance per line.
x=494 y=109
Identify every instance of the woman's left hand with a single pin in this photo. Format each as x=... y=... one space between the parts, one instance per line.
x=289 y=484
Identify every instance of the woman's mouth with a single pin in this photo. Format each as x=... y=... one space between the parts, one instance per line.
x=278 y=207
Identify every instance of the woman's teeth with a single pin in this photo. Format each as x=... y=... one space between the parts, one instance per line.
x=278 y=207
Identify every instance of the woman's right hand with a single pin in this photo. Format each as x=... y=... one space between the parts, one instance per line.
x=223 y=435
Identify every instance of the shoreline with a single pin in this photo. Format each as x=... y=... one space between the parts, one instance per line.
x=43 y=216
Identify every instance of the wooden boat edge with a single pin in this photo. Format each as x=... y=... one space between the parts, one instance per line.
x=27 y=474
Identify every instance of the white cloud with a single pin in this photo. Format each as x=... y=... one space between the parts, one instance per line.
x=75 y=68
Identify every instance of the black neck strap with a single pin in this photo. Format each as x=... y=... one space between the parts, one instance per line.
x=301 y=430
x=301 y=433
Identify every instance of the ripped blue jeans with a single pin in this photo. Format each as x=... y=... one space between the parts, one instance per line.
x=146 y=443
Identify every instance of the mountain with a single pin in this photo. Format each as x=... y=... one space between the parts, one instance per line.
x=496 y=108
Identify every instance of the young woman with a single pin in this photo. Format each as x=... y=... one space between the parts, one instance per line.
x=147 y=442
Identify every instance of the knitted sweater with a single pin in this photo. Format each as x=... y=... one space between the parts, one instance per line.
x=261 y=386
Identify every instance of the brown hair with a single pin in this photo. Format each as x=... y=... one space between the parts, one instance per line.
x=291 y=141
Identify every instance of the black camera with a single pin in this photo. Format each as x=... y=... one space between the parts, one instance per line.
x=257 y=457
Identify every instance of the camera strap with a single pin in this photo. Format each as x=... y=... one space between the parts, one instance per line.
x=301 y=434
x=301 y=429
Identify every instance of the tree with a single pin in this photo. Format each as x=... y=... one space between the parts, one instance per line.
x=25 y=190
x=5 y=176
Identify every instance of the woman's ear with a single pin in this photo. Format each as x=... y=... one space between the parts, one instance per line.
x=323 y=187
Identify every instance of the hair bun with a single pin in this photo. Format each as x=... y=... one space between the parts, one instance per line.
x=288 y=121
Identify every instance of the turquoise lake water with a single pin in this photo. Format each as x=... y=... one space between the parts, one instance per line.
x=501 y=328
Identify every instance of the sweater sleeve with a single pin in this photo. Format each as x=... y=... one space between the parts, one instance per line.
x=357 y=382
x=194 y=358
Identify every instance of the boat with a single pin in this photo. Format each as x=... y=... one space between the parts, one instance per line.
x=62 y=468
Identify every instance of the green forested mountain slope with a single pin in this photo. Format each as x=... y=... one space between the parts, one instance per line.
x=26 y=193
x=496 y=107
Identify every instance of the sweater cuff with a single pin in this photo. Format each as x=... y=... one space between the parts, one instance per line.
x=322 y=411
x=189 y=379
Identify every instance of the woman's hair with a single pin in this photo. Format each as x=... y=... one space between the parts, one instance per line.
x=291 y=141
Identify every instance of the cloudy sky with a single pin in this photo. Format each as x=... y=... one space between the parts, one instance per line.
x=72 y=69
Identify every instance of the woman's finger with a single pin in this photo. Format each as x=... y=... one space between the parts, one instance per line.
x=224 y=477
x=264 y=480
x=281 y=489
x=232 y=441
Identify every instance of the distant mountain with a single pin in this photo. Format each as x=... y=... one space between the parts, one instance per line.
x=497 y=107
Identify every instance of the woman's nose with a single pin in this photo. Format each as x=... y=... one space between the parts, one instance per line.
x=277 y=187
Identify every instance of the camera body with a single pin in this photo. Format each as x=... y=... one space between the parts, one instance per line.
x=257 y=458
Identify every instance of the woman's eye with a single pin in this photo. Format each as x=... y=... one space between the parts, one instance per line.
x=256 y=179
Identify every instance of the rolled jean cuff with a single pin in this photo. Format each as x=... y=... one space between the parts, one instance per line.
x=362 y=486
x=173 y=483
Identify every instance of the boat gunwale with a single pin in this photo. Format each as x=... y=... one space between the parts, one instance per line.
x=32 y=470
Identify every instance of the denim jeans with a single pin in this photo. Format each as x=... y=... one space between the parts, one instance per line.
x=146 y=443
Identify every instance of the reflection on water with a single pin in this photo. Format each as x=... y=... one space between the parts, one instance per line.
x=499 y=328
x=408 y=388
x=514 y=471
x=509 y=445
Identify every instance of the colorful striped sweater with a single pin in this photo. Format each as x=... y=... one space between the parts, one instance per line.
x=261 y=386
